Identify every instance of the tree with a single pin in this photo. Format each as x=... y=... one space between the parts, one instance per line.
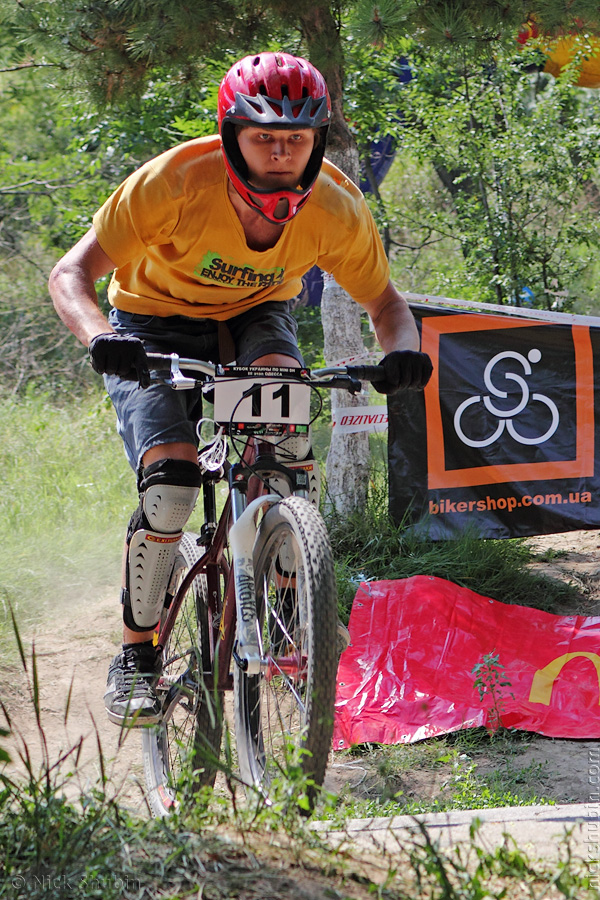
x=516 y=152
x=468 y=25
x=115 y=47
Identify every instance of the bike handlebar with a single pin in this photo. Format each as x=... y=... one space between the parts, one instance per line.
x=374 y=374
x=343 y=377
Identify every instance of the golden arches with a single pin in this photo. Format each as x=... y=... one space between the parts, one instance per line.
x=543 y=680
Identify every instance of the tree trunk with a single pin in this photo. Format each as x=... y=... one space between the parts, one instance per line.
x=347 y=469
x=348 y=459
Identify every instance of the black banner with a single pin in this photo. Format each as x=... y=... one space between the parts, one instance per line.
x=503 y=439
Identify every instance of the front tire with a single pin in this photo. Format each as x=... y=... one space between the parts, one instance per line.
x=188 y=739
x=284 y=716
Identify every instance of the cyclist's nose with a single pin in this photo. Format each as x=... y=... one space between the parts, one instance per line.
x=280 y=148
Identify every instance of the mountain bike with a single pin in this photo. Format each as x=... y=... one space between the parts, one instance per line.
x=252 y=605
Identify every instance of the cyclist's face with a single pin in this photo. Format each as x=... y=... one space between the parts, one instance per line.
x=276 y=158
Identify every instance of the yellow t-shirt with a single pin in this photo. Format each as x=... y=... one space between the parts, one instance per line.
x=180 y=249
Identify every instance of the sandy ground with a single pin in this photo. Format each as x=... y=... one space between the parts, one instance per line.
x=72 y=665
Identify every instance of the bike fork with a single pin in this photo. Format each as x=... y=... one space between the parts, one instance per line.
x=242 y=535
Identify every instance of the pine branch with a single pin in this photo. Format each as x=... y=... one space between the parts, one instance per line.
x=472 y=24
x=35 y=65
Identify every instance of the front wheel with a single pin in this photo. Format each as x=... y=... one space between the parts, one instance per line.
x=284 y=716
x=188 y=738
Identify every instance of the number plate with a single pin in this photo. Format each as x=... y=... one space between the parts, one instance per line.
x=257 y=404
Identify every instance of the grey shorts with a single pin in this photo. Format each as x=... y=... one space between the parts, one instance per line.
x=160 y=415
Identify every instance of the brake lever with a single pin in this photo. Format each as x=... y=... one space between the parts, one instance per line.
x=179 y=381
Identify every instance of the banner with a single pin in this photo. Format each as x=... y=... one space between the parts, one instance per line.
x=352 y=419
x=408 y=673
x=503 y=438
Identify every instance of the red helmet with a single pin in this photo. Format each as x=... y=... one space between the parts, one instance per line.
x=273 y=90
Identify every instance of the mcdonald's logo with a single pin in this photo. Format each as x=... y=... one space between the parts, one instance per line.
x=543 y=680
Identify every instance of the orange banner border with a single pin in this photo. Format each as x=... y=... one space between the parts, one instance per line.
x=581 y=467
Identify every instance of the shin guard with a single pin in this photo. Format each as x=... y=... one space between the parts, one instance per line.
x=168 y=493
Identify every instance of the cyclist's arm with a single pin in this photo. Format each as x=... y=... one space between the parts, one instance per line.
x=72 y=289
x=395 y=327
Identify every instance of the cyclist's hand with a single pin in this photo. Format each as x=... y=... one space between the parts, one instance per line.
x=120 y=354
x=404 y=370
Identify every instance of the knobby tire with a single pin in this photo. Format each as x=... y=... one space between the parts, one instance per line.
x=284 y=716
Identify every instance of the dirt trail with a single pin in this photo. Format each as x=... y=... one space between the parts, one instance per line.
x=75 y=658
x=72 y=665
x=573 y=557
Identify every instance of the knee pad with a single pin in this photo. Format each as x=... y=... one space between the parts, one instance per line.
x=168 y=492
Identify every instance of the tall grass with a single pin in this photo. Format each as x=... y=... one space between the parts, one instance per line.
x=369 y=546
x=66 y=495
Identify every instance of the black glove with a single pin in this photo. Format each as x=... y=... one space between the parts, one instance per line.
x=404 y=370
x=120 y=354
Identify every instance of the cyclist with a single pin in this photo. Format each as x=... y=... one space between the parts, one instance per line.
x=207 y=244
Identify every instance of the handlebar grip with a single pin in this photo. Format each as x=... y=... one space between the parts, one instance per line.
x=367 y=373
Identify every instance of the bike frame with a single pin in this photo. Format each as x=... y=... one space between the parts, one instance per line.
x=236 y=529
x=235 y=606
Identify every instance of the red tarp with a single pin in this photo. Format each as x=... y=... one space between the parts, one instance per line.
x=408 y=674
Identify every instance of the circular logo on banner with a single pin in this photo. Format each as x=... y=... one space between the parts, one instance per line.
x=507 y=417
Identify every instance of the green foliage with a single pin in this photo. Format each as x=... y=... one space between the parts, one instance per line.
x=64 y=159
x=489 y=681
x=91 y=847
x=113 y=48
x=45 y=200
x=516 y=153
x=468 y=25
x=373 y=89
x=369 y=546
x=310 y=335
x=463 y=788
x=87 y=93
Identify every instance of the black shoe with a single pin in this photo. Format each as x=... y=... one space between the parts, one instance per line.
x=130 y=698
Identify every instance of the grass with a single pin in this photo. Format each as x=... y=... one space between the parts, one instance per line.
x=464 y=770
x=369 y=546
x=91 y=848
x=69 y=493
x=67 y=497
